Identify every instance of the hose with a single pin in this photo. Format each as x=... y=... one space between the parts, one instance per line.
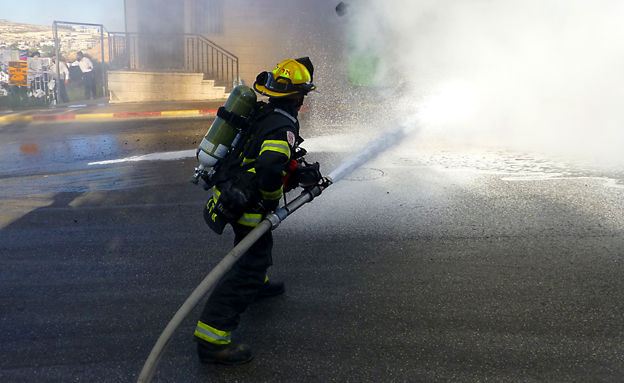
x=271 y=221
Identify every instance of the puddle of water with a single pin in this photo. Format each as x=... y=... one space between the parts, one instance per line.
x=163 y=156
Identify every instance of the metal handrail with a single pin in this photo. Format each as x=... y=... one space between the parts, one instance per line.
x=157 y=52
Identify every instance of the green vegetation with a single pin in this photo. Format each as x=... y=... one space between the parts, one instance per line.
x=48 y=51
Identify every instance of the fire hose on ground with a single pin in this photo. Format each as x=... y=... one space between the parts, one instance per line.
x=271 y=221
x=385 y=141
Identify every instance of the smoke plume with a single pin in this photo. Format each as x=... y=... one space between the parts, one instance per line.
x=538 y=75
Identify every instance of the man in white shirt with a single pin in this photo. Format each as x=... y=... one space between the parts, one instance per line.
x=62 y=79
x=88 y=77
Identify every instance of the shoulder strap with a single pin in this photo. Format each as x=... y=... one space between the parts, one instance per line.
x=285 y=113
x=259 y=112
x=232 y=118
x=230 y=164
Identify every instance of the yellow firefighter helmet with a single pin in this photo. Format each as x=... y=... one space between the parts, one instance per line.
x=290 y=77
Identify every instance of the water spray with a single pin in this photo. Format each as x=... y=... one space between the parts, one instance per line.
x=270 y=222
x=371 y=150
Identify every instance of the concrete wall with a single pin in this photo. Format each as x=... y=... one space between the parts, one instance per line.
x=264 y=33
x=247 y=35
x=127 y=86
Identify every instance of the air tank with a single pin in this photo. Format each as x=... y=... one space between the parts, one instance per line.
x=222 y=134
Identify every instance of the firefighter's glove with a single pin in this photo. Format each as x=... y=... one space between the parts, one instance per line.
x=290 y=179
x=299 y=153
x=233 y=201
x=309 y=175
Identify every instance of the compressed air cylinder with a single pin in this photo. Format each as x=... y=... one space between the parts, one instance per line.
x=220 y=137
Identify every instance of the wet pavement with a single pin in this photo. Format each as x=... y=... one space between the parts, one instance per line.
x=432 y=263
x=38 y=148
x=100 y=109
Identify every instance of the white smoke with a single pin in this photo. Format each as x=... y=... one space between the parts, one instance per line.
x=541 y=74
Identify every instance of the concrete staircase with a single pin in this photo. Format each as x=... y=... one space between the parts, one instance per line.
x=131 y=86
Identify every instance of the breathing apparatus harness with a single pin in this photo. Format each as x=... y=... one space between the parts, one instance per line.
x=223 y=148
x=230 y=164
x=237 y=185
x=244 y=125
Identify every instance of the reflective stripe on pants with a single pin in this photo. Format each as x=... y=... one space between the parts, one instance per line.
x=211 y=334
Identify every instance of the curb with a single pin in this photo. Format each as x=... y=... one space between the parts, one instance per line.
x=93 y=116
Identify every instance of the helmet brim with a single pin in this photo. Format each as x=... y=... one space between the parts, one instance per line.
x=267 y=92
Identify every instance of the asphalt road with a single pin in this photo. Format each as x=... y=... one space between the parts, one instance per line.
x=429 y=264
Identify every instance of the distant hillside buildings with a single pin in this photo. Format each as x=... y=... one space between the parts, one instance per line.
x=27 y=36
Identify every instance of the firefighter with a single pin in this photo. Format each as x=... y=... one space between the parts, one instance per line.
x=260 y=169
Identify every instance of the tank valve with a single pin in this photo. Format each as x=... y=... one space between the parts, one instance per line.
x=198 y=173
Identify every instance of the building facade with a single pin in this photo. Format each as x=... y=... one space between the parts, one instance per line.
x=260 y=33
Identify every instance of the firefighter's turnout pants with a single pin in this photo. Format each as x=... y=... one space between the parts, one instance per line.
x=236 y=290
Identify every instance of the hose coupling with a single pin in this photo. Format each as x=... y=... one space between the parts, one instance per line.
x=276 y=217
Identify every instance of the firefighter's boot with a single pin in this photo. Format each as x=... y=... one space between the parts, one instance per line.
x=229 y=354
x=270 y=289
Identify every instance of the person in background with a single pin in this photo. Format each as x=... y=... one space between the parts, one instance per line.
x=35 y=73
x=62 y=79
x=88 y=77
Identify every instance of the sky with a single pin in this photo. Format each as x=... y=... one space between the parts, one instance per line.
x=110 y=13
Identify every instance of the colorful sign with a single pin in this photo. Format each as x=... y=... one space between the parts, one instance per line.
x=18 y=73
